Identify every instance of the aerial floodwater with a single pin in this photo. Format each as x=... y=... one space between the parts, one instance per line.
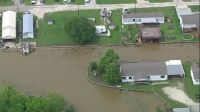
x=64 y=71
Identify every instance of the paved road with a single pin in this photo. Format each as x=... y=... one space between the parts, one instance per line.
x=41 y=10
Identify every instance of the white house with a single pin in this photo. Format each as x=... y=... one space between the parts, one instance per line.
x=143 y=72
x=195 y=74
x=142 y=18
x=9 y=26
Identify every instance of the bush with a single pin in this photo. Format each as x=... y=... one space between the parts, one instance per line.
x=93 y=66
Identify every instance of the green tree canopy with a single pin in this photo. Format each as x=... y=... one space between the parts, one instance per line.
x=80 y=29
x=13 y=101
x=109 y=64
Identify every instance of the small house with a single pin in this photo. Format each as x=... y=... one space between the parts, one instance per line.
x=175 y=69
x=9 y=26
x=100 y=29
x=189 y=21
x=142 y=18
x=28 y=29
x=143 y=72
x=195 y=74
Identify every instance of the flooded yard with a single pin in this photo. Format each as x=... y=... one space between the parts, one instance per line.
x=64 y=71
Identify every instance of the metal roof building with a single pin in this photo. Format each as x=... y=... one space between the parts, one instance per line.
x=174 y=67
x=181 y=110
x=28 y=26
x=9 y=25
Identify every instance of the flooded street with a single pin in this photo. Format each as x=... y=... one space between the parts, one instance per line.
x=64 y=71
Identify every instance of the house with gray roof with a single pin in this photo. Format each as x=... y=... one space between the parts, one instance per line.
x=194 y=108
x=28 y=31
x=143 y=71
x=142 y=18
x=151 y=71
x=188 y=20
x=195 y=74
x=175 y=69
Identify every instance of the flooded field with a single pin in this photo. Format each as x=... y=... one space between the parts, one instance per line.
x=63 y=71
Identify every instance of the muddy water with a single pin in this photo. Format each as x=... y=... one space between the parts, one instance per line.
x=63 y=71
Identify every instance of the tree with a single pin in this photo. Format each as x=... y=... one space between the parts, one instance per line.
x=109 y=64
x=93 y=66
x=13 y=101
x=80 y=29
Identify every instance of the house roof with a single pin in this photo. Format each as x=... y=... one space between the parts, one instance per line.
x=196 y=71
x=174 y=67
x=143 y=69
x=28 y=23
x=9 y=25
x=181 y=110
x=194 y=108
x=184 y=11
x=150 y=32
x=191 y=19
x=143 y=15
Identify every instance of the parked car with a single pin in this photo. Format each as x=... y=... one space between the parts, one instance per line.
x=87 y=1
x=33 y=1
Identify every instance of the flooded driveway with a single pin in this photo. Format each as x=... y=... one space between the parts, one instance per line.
x=63 y=71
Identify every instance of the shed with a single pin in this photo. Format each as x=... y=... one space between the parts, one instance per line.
x=100 y=29
x=175 y=69
x=28 y=31
x=9 y=25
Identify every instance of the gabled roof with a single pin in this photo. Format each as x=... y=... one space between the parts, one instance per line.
x=143 y=15
x=143 y=69
x=184 y=11
x=28 y=23
x=192 y=19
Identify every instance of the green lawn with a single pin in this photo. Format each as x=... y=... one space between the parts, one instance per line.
x=6 y=2
x=195 y=8
x=115 y=1
x=55 y=34
x=159 y=1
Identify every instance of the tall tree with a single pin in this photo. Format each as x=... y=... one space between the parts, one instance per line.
x=80 y=29
x=110 y=66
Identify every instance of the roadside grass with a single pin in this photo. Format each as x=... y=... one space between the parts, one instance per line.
x=114 y=1
x=159 y=1
x=189 y=88
x=195 y=8
x=6 y=2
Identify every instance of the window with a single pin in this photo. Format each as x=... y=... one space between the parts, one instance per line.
x=133 y=20
x=148 y=77
x=162 y=76
x=130 y=78
x=123 y=78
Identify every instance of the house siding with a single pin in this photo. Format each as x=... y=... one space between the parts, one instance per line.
x=158 y=77
x=195 y=81
x=127 y=79
x=138 y=20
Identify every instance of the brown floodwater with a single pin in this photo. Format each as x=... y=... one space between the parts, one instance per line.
x=64 y=72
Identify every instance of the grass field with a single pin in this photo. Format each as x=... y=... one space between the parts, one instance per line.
x=6 y=2
x=55 y=34
x=115 y=1
x=159 y=1
x=195 y=8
